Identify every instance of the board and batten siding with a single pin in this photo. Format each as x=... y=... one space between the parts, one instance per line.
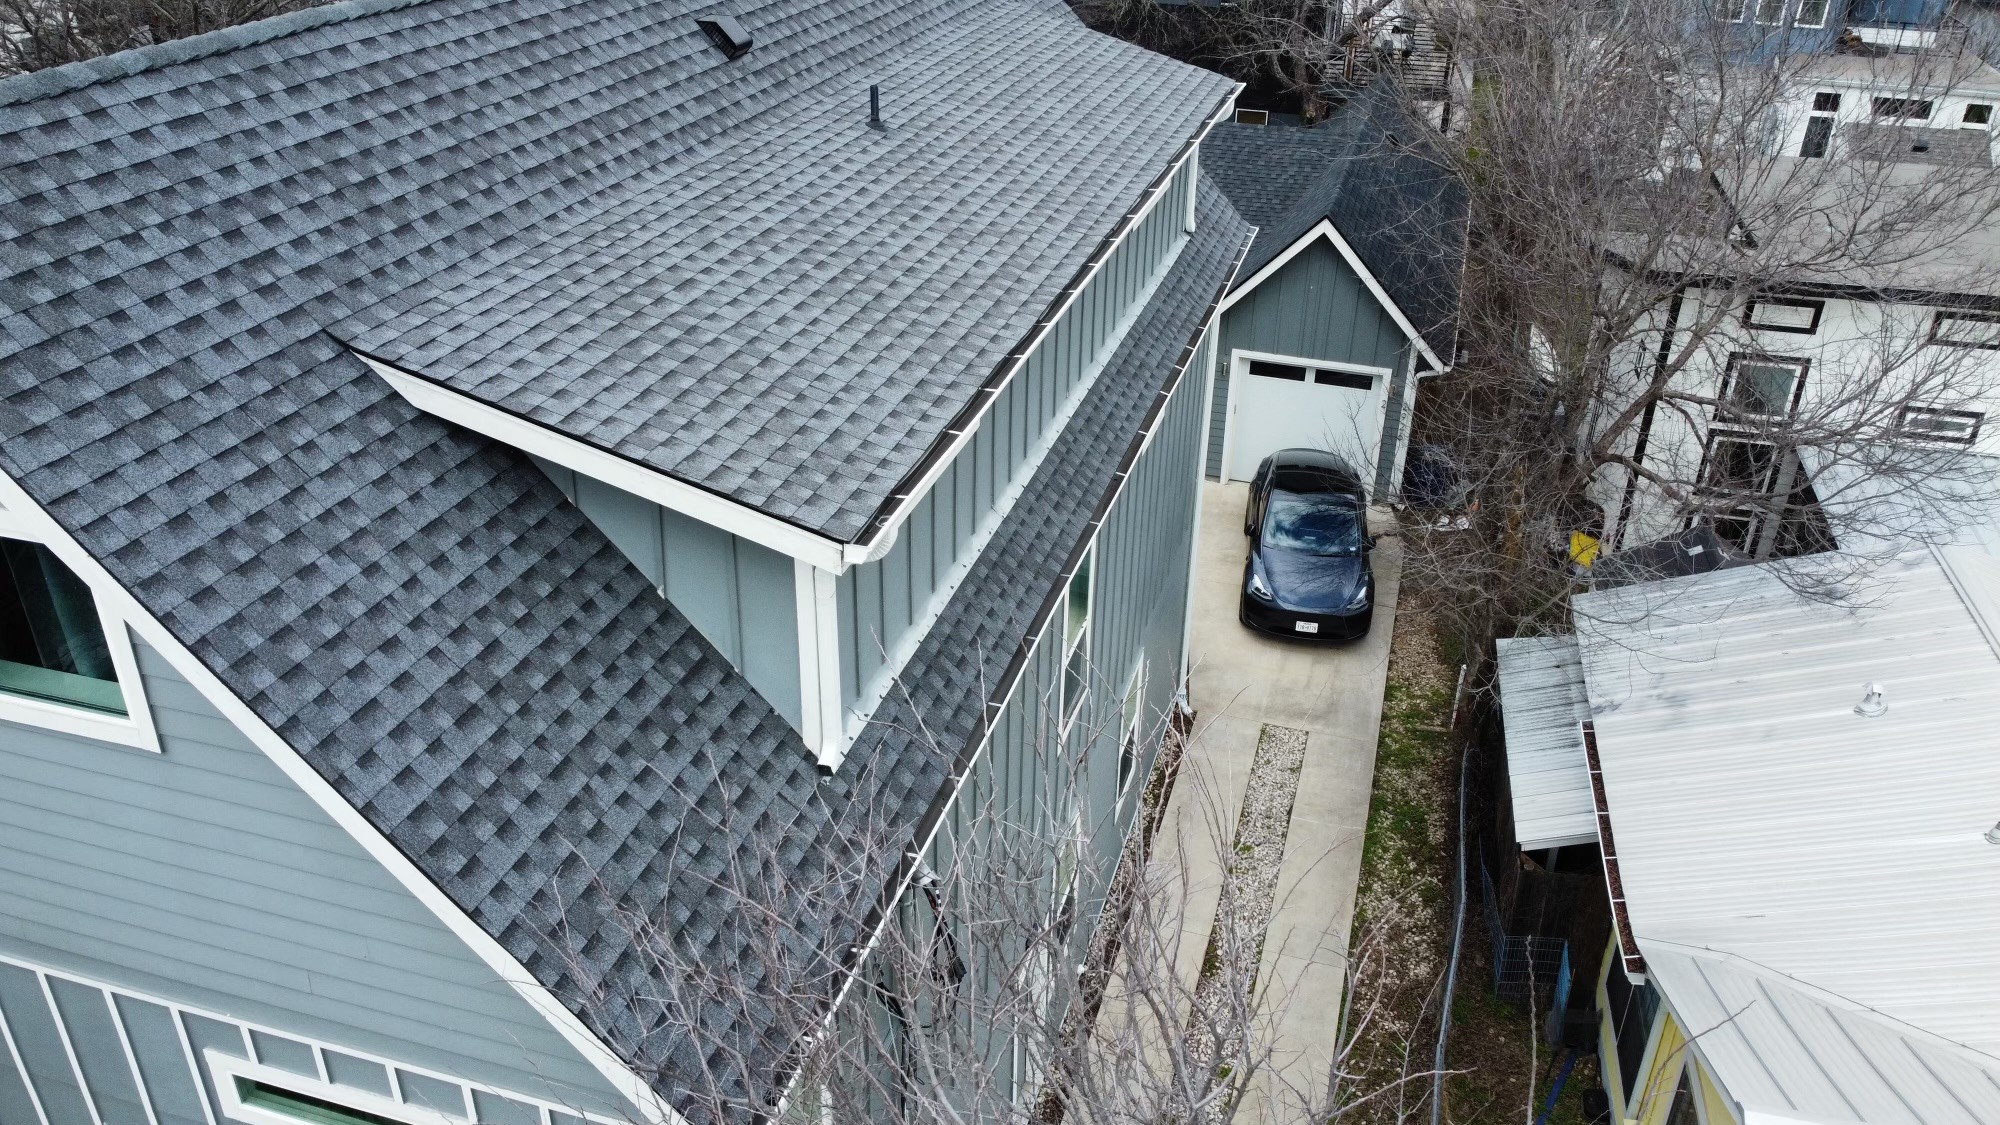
x=883 y=603
x=739 y=594
x=1313 y=307
x=1028 y=775
x=202 y=874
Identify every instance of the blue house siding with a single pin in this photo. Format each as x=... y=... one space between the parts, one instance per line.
x=204 y=875
x=79 y=1051
x=1313 y=307
x=741 y=595
x=881 y=602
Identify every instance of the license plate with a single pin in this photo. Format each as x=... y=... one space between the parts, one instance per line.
x=1306 y=626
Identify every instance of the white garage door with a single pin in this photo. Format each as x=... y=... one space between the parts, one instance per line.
x=1285 y=406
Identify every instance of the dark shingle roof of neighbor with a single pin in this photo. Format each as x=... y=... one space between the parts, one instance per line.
x=414 y=607
x=1370 y=170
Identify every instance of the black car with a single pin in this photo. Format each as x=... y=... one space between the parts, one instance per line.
x=1308 y=574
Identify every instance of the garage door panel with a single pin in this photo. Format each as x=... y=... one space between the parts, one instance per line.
x=1283 y=406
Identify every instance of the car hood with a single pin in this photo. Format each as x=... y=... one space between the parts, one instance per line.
x=1307 y=583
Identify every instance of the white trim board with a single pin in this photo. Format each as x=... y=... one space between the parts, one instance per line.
x=647 y=484
x=134 y=729
x=1325 y=229
x=155 y=633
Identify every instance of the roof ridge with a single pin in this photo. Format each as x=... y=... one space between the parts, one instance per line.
x=38 y=85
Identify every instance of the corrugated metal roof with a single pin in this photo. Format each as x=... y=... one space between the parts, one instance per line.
x=1758 y=815
x=1541 y=703
x=1789 y=1050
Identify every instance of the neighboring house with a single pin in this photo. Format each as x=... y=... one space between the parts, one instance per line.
x=1800 y=874
x=1349 y=294
x=473 y=468
x=1805 y=345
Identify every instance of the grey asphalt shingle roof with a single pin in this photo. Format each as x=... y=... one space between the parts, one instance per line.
x=413 y=607
x=789 y=308
x=1370 y=170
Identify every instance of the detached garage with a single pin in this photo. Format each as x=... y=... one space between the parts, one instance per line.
x=1348 y=295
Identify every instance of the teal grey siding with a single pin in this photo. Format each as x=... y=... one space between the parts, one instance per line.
x=741 y=595
x=203 y=874
x=1314 y=307
x=91 y=1051
x=883 y=601
x=1143 y=551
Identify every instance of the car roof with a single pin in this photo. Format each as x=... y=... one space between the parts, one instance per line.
x=1313 y=470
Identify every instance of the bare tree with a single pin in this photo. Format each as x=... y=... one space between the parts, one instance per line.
x=35 y=34
x=1018 y=977
x=1642 y=177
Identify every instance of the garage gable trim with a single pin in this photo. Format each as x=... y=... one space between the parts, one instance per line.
x=1325 y=229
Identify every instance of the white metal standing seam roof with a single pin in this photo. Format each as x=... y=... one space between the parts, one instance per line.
x=1759 y=817
x=1541 y=704
x=1787 y=1052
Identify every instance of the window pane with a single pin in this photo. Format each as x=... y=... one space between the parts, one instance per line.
x=1277 y=370
x=1826 y=101
x=1812 y=13
x=1079 y=603
x=1978 y=114
x=1762 y=388
x=1798 y=315
x=51 y=642
x=1819 y=133
x=1907 y=108
x=1966 y=330
x=1770 y=11
x=1939 y=425
x=305 y=1107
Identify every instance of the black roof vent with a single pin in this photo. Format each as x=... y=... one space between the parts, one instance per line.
x=729 y=37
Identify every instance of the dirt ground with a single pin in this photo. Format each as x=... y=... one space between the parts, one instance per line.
x=1403 y=920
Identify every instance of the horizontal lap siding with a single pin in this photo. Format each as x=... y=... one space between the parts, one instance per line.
x=202 y=873
x=1314 y=307
x=883 y=602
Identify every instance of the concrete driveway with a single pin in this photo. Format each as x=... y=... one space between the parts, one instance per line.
x=1241 y=681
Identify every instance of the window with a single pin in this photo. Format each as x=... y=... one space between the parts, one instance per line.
x=1076 y=640
x=1130 y=745
x=1278 y=370
x=1903 y=109
x=1734 y=466
x=303 y=1107
x=1978 y=115
x=1812 y=13
x=1631 y=1009
x=52 y=642
x=1253 y=117
x=1761 y=387
x=1771 y=12
x=1960 y=427
x=1683 y=1111
x=1826 y=101
x=1819 y=136
x=1777 y=315
x=1966 y=330
x=1354 y=379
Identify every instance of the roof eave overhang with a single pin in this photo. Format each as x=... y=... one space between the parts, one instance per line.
x=620 y=472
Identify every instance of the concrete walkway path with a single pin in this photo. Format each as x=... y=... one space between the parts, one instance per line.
x=1239 y=682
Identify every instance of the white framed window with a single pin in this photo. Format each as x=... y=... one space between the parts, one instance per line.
x=1811 y=13
x=1761 y=387
x=1784 y=314
x=66 y=659
x=1960 y=427
x=1132 y=735
x=1966 y=330
x=1076 y=639
x=264 y=1095
x=1977 y=115
x=1902 y=109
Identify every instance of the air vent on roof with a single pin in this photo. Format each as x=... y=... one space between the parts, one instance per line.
x=729 y=37
x=1253 y=117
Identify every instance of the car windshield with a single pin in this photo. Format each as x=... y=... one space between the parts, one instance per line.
x=1314 y=524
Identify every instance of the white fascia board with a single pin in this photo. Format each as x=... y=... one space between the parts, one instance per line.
x=155 y=633
x=1325 y=229
x=816 y=597
x=906 y=502
x=669 y=493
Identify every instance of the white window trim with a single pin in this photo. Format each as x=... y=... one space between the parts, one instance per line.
x=1239 y=369
x=224 y=1070
x=1135 y=724
x=134 y=729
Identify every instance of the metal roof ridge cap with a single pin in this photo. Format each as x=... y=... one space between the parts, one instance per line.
x=55 y=81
